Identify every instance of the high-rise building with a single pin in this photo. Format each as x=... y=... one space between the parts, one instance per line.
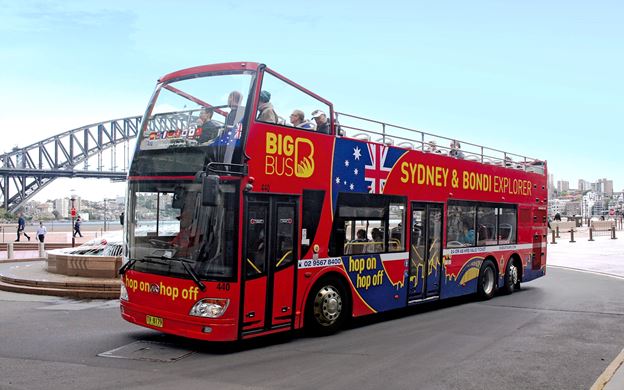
x=583 y=185
x=563 y=185
x=62 y=206
x=606 y=186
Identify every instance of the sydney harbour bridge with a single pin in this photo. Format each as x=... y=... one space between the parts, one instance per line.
x=91 y=151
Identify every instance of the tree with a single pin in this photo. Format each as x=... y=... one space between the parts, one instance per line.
x=57 y=215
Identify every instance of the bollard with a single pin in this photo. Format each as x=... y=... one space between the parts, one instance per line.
x=553 y=237
x=558 y=232
x=613 y=237
x=591 y=234
x=42 y=253
x=10 y=250
x=572 y=235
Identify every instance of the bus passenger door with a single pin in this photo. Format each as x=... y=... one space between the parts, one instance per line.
x=269 y=263
x=425 y=251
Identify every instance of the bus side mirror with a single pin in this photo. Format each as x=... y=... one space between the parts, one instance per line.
x=210 y=190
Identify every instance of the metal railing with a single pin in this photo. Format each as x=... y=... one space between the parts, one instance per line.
x=357 y=127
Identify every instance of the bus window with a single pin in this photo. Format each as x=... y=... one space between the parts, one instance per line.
x=461 y=226
x=486 y=225
x=256 y=239
x=507 y=226
x=291 y=106
x=285 y=230
x=396 y=223
x=370 y=223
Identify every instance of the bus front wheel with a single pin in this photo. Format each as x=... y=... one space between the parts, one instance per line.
x=487 y=280
x=328 y=306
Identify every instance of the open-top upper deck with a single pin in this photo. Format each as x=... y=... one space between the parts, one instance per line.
x=288 y=95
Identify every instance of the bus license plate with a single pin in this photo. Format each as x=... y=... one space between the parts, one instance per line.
x=154 y=321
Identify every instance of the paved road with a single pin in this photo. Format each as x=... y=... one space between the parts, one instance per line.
x=559 y=332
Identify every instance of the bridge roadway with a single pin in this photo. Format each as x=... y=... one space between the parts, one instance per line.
x=562 y=331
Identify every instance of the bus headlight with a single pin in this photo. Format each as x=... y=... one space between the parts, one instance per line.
x=210 y=307
x=123 y=293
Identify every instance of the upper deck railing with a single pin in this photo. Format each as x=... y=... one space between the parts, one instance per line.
x=372 y=130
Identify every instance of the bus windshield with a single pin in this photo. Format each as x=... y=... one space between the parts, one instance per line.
x=192 y=122
x=168 y=225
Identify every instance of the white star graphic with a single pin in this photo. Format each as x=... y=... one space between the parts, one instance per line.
x=344 y=182
x=357 y=153
x=337 y=180
x=351 y=187
x=346 y=163
x=355 y=171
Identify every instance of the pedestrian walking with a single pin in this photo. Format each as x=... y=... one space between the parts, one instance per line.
x=21 y=227
x=41 y=232
x=77 y=227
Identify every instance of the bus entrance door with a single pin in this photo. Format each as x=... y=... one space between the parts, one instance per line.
x=425 y=252
x=269 y=263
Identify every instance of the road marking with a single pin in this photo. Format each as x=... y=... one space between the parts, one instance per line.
x=586 y=271
x=609 y=372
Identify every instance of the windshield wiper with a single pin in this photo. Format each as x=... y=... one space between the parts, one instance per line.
x=131 y=262
x=187 y=268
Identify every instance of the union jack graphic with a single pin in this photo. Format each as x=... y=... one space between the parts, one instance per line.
x=377 y=173
x=361 y=167
x=238 y=130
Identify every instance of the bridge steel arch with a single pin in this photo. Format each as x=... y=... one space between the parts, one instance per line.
x=26 y=171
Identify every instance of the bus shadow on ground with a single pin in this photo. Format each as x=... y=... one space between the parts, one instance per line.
x=225 y=348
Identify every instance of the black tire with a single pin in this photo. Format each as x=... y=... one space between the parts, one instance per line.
x=487 y=280
x=328 y=306
x=512 y=277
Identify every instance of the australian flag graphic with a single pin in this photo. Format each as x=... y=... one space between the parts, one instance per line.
x=231 y=134
x=362 y=167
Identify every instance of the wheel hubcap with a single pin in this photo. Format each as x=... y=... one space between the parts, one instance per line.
x=327 y=305
x=488 y=281
x=513 y=275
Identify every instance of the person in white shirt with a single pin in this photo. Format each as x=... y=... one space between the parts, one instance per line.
x=41 y=232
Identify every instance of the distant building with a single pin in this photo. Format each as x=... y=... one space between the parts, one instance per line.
x=563 y=186
x=62 y=207
x=606 y=186
x=583 y=185
x=556 y=206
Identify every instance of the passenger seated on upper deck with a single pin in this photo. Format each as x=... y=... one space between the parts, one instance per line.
x=266 y=113
x=432 y=147
x=322 y=123
x=455 y=150
x=206 y=127
x=236 y=110
x=297 y=119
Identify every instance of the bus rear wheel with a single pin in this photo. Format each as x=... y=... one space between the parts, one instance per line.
x=512 y=278
x=487 y=280
x=328 y=307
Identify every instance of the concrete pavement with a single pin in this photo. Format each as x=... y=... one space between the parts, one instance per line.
x=602 y=256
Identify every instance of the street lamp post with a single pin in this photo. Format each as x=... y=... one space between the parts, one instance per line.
x=73 y=216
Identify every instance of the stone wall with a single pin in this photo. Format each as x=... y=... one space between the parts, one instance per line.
x=83 y=265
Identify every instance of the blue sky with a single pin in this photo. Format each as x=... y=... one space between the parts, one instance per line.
x=536 y=78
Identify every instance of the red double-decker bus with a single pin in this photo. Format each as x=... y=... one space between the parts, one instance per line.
x=254 y=208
